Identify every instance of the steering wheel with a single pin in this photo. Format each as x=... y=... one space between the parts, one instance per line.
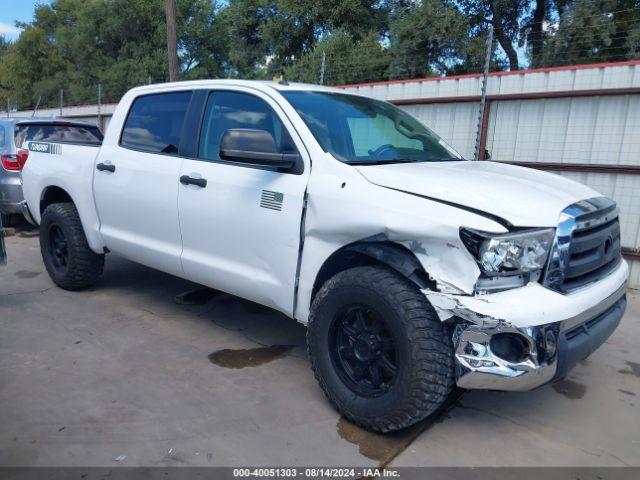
x=381 y=149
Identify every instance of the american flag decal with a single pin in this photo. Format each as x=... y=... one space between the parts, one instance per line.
x=271 y=200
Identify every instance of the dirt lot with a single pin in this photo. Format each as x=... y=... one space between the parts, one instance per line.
x=149 y=369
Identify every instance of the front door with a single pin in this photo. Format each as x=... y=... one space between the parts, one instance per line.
x=240 y=223
x=136 y=182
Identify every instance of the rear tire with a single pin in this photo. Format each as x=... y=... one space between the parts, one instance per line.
x=71 y=264
x=402 y=339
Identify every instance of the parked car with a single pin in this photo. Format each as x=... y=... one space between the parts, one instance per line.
x=13 y=133
x=414 y=269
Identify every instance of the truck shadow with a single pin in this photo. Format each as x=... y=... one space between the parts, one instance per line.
x=166 y=295
x=275 y=336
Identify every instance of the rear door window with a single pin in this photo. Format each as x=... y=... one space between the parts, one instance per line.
x=154 y=123
x=2 y=137
x=58 y=133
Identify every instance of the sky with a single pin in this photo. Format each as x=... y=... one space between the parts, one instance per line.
x=12 y=10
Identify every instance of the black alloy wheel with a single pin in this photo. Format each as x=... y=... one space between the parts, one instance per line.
x=363 y=351
x=58 y=248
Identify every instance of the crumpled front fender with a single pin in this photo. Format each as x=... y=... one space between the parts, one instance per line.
x=528 y=306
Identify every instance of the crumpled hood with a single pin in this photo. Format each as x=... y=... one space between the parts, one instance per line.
x=522 y=196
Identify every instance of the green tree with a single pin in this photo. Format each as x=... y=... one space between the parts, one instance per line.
x=505 y=16
x=245 y=20
x=590 y=31
x=29 y=63
x=202 y=39
x=267 y=36
x=346 y=60
x=4 y=45
x=75 y=45
x=433 y=38
x=533 y=29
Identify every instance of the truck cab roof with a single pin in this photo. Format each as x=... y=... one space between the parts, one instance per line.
x=262 y=85
x=43 y=120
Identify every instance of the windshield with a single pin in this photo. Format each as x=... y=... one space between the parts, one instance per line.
x=363 y=131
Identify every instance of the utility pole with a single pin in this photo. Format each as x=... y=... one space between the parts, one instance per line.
x=324 y=61
x=483 y=98
x=7 y=107
x=172 y=49
x=61 y=100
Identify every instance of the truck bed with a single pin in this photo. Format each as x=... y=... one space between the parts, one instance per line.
x=55 y=168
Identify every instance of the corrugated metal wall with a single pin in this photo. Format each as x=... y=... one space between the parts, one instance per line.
x=455 y=122
x=568 y=116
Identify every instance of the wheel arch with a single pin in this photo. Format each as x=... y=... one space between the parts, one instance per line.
x=53 y=193
x=374 y=252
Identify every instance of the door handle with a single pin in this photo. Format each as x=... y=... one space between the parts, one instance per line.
x=106 y=167
x=187 y=180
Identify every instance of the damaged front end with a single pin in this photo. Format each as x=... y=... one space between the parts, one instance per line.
x=504 y=357
x=524 y=338
x=546 y=299
x=490 y=352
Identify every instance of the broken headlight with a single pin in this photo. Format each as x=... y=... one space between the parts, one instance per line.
x=509 y=253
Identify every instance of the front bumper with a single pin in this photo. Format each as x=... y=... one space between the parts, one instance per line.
x=561 y=330
x=549 y=351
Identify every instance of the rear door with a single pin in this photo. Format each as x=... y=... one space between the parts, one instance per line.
x=241 y=230
x=136 y=182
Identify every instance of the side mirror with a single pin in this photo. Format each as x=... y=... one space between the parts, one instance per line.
x=256 y=147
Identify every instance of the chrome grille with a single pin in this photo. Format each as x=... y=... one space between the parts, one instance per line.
x=593 y=253
x=587 y=245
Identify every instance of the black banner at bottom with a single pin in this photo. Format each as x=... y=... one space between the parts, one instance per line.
x=408 y=473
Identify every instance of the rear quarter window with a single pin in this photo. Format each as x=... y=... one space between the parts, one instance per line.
x=78 y=134
x=2 y=137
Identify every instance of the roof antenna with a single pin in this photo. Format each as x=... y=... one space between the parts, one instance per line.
x=37 y=105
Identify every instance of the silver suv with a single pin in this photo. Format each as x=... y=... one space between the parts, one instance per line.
x=10 y=181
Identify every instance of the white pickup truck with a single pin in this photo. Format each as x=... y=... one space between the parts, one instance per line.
x=414 y=269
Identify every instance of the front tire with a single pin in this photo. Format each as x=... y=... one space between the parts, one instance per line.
x=71 y=264
x=378 y=349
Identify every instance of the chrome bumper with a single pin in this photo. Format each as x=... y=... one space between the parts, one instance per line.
x=549 y=351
